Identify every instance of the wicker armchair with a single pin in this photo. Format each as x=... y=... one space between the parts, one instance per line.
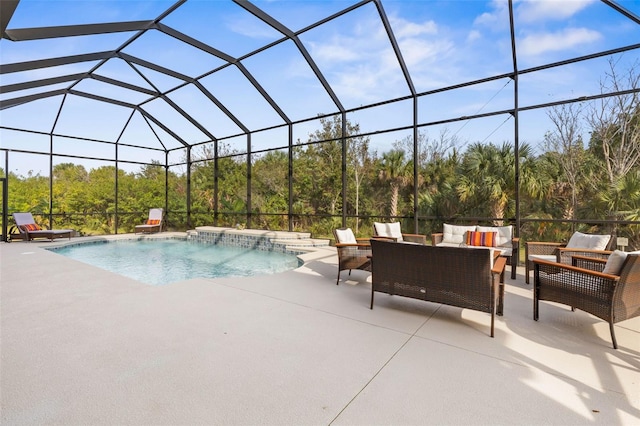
x=583 y=285
x=353 y=253
x=393 y=232
x=562 y=253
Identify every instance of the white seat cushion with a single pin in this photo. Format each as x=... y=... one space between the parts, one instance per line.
x=388 y=230
x=346 y=236
x=549 y=257
x=455 y=234
x=588 y=241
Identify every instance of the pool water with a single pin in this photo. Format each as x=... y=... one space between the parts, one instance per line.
x=159 y=262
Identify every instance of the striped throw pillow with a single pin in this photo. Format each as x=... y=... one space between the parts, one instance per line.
x=153 y=222
x=30 y=227
x=484 y=239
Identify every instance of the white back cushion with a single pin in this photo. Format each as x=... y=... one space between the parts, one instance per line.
x=588 y=241
x=615 y=262
x=388 y=230
x=23 y=218
x=504 y=233
x=455 y=233
x=345 y=236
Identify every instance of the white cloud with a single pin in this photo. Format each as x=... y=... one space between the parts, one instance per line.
x=404 y=29
x=474 y=35
x=336 y=51
x=537 y=10
x=536 y=44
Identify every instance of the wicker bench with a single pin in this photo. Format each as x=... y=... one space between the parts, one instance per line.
x=462 y=277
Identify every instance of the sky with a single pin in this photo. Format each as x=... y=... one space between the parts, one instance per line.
x=442 y=43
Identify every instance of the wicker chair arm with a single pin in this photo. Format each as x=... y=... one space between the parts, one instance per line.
x=498 y=265
x=362 y=240
x=553 y=268
x=543 y=248
x=415 y=238
x=586 y=262
x=565 y=254
x=436 y=238
x=357 y=245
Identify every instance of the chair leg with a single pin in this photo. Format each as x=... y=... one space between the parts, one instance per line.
x=338 y=280
x=613 y=335
x=535 y=297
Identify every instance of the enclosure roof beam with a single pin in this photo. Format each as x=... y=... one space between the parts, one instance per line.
x=624 y=11
x=101 y=98
x=8 y=103
x=7 y=7
x=277 y=25
x=229 y=59
x=162 y=126
x=54 y=62
x=220 y=105
x=25 y=34
x=154 y=67
x=394 y=45
x=40 y=83
x=188 y=117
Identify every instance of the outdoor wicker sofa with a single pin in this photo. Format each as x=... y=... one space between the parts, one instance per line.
x=455 y=236
x=608 y=289
x=456 y=276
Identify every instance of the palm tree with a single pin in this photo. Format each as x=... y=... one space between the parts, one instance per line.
x=487 y=178
x=396 y=171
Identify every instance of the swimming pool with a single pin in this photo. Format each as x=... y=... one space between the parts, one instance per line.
x=164 y=261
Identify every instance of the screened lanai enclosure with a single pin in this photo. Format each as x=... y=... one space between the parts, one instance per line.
x=310 y=115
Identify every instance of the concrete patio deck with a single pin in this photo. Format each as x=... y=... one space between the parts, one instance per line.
x=82 y=346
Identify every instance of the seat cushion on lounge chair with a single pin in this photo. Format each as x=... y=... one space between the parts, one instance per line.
x=345 y=236
x=588 y=241
x=455 y=234
x=389 y=230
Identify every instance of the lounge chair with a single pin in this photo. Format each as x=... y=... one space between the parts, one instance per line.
x=153 y=223
x=392 y=231
x=353 y=253
x=608 y=289
x=592 y=245
x=30 y=230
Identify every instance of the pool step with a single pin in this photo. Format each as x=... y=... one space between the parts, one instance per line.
x=257 y=238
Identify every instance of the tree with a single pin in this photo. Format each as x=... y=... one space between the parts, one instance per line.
x=397 y=172
x=429 y=150
x=615 y=122
x=564 y=142
x=486 y=177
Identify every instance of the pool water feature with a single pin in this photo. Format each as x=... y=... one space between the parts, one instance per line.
x=164 y=261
